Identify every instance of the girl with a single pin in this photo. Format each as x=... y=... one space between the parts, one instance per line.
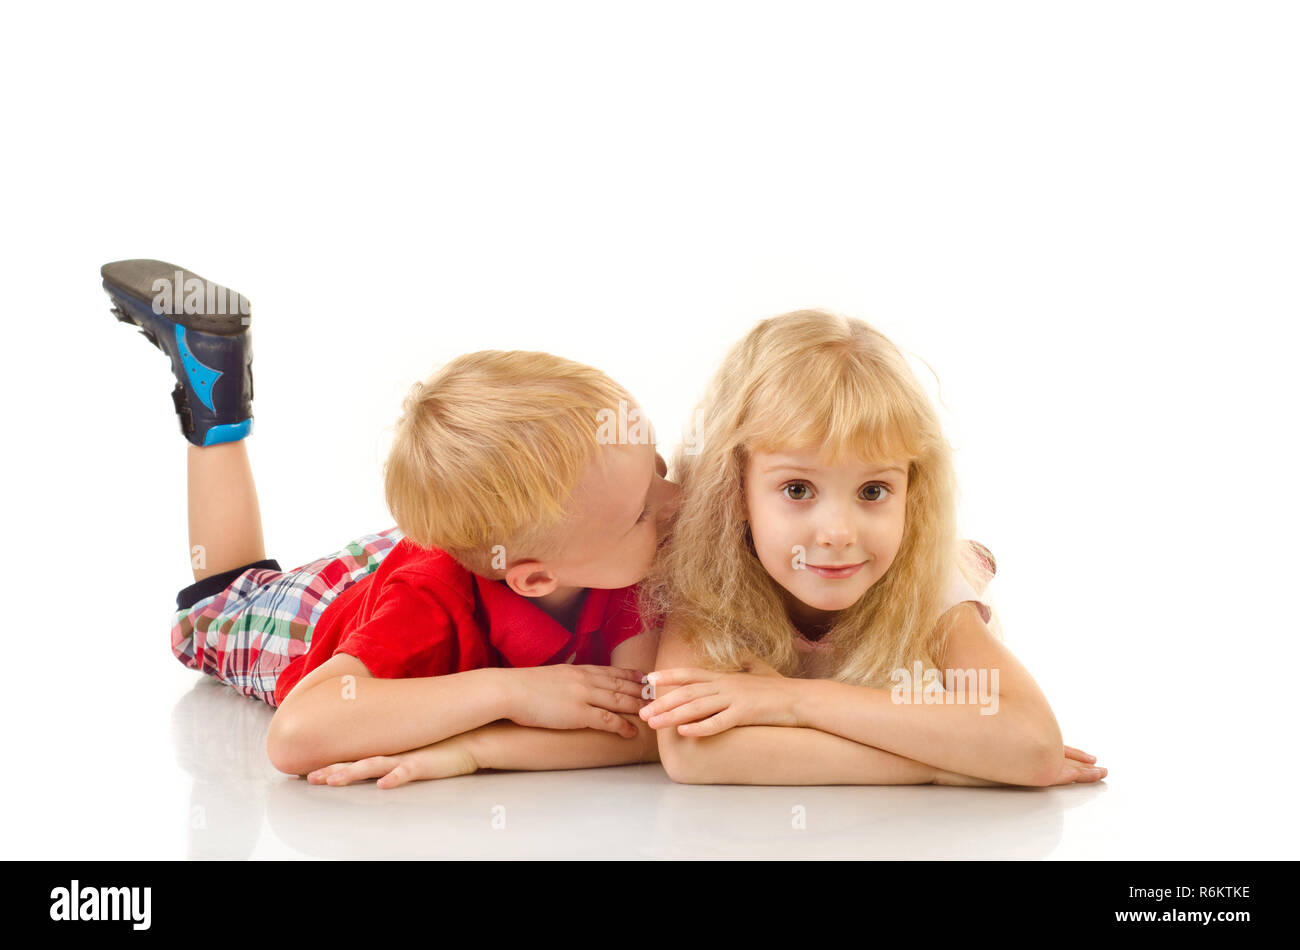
x=815 y=569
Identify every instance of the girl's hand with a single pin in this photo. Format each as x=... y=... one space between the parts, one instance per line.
x=1079 y=766
x=443 y=759
x=1076 y=767
x=706 y=703
x=756 y=666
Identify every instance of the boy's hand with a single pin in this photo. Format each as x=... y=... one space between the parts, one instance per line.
x=443 y=759
x=565 y=696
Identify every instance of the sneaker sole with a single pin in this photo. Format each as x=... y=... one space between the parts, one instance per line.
x=136 y=284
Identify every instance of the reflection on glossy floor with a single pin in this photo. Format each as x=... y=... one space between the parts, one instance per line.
x=178 y=770
x=240 y=807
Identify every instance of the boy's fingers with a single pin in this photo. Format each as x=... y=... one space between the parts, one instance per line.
x=318 y=776
x=623 y=702
x=630 y=730
x=614 y=702
x=341 y=776
x=1072 y=753
x=628 y=687
x=361 y=769
x=399 y=775
x=634 y=675
x=607 y=721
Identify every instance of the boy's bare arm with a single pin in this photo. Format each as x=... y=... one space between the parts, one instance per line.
x=505 y=745
x=498 y=745
x=339 y=713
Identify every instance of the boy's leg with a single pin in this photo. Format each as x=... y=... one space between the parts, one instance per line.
x=225 y=521
x=204 y=330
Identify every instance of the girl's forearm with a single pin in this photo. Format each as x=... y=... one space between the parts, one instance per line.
x=506 y=745
x=781 y=755
x=1006 y=745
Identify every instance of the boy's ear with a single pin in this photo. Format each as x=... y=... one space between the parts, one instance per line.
x=530 y=579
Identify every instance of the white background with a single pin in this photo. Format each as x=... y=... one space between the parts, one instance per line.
x=1082 y=217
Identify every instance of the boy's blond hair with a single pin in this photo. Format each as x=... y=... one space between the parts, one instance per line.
x=488 y=450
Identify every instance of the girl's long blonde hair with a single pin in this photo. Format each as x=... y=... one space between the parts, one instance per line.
x=809 y=380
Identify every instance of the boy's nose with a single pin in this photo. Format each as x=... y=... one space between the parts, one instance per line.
x=671 y=502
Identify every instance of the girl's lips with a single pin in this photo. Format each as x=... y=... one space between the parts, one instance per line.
x=847 y=571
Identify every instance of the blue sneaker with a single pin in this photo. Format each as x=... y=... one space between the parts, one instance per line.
x=204 y=329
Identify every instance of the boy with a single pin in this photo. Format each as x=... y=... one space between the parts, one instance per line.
x=494 y=627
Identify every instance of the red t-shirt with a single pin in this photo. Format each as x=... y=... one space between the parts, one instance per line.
x=421 y=614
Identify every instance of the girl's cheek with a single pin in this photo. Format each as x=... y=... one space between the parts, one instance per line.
x=775 y=559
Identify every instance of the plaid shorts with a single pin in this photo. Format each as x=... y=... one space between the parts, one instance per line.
x=245 y=626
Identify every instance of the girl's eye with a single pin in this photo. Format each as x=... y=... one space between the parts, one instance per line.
x=796 y=491
x=800 y=491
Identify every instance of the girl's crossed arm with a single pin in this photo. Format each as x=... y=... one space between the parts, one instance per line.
x=750 y=728
x=778 y=754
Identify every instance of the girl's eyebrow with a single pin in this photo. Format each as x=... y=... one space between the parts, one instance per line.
x=784 y=467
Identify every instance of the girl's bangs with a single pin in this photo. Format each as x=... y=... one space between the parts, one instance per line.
x=840 y=415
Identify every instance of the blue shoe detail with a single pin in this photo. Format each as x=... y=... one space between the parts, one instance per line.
x=211 y=355
x=202 y=378
x=228 y=433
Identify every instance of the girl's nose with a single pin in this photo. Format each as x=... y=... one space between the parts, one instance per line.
x=836 y=530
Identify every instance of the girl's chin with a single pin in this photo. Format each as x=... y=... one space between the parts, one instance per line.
x=828 y=606
x=817 y=609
